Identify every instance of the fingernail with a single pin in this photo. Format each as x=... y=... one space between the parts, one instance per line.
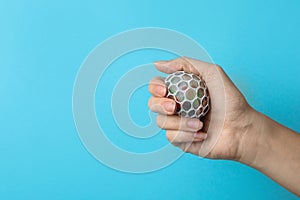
x=193 y=123
x=200 y=135
x=169 y=106
x=160 y=90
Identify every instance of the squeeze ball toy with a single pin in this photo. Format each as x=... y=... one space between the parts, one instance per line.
x=190 y=94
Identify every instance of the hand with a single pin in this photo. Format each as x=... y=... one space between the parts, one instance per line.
x=234 y=130
x=225 y=125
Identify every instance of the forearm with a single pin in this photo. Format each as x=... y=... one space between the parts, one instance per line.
x=274 y=150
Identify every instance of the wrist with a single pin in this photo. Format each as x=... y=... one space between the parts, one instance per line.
x=253 y=138
x=273 y=150
x=260 y=142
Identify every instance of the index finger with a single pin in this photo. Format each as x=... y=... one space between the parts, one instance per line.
x=157 y=87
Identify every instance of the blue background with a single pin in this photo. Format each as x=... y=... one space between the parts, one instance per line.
x=42 y=45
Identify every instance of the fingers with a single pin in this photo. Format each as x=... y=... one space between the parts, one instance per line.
x=177 y=136
x=178 y=123
x=182 y=132
x=160 y=105
x=157 y=87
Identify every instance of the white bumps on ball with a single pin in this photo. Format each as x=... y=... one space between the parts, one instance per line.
x=190 y=94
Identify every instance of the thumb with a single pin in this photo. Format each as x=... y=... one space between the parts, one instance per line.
x=200 y=68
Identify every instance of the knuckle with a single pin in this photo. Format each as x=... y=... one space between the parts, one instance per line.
x=156 y=79
x=153 y=83
x=169 y=135
x=218 y=67
x=150 y=87
x=182 y=58
x=150 y=103
x=159 y=121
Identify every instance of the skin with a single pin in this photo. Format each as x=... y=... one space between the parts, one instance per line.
x=246 y=136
